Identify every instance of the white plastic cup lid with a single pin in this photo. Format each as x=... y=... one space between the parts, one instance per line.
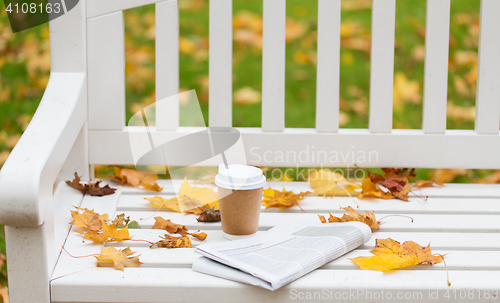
x=240 y=177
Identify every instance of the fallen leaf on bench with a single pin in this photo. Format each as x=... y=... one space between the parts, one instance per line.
x=371 y=189
x=94 y=189
x=119 y=258
x=169 y=226
x=109 y=233
x=282 y=199
x=136 y=178
x=120 y=221
x=209 y=215
x=327 y=183
x=89 y=219
x=174 y=242
x=368 y=218
x=390 y=254
x=191 y=200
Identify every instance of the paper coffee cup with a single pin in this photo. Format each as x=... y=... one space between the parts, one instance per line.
x=240 y=197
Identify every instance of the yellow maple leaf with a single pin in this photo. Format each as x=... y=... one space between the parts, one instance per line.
x=89 y=219
x=368 y=218
x=119 y=258
x=191 y=199
x=390 y=254
x=327 y=183
x=282 y=199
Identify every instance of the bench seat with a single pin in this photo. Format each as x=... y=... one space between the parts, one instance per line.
x=458 y=220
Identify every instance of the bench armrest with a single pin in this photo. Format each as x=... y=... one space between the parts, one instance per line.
x=28 y=175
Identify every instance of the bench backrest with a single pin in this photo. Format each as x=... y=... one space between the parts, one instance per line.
x=380 y=145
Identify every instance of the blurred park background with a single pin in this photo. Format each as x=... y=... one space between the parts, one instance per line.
x=25 y=68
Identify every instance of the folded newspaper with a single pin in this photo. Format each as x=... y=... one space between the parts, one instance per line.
x=282 y=254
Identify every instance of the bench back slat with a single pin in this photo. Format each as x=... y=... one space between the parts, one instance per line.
x=436 y=66
x=106 y=72
x=273 y=65
x=220 y=63
x=488 y=74
x=382 y=65
x=328 y=67
x=167 y=65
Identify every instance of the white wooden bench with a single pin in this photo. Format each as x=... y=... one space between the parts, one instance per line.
x=81 y=122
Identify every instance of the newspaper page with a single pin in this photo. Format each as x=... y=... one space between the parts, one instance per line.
x=281 y=255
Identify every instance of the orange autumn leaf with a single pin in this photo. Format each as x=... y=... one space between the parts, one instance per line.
x=191 y=200
x=109 y=233
x=89 y=219
x=119 y=258
x=174 y=242
x=282 y=199
x=169 y=226
x=199 y=235
x=390 y=254
x=368 y=218
x=136 y=178
x=370 y=189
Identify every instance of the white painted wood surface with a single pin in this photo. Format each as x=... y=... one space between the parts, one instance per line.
x=469 y=235
x=273 y=65
x=382 y=65
x=437 y=29
x=106 y=71
x=96 y=7
x=488 y=73
x=167 y=65
x=401 y=148
x=328 y=66
x=220 y=64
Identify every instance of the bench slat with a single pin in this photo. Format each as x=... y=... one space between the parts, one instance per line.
x=382 y=65
x=182 y=284
x=436 y=66
x=328 y=66
x=273 y=65
x=167 y=65
x=488 y=73
x=106 y=72
x=220 y=63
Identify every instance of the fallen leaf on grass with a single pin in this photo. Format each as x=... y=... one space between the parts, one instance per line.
x=327 y=183
x=389 y=254
x=136 y=178
x=191 y=200
x=368 y=218
x=209 y=215
x=119 y=258
x=4 y=294
x=94 y=189
x=282 y=199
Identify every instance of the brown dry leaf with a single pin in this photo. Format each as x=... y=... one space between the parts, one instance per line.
x=327 y=183
x=119 y=258
x=247 y=95
x=209 y=215
x=94 y=189
x=368 y=218
x=389 y=254
x=121 y=221
x=282 y=199
x=199 y=235
x=136 y=178
x=191 y=199
x=170 y=226
x=174 y=242
x=89 y=219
